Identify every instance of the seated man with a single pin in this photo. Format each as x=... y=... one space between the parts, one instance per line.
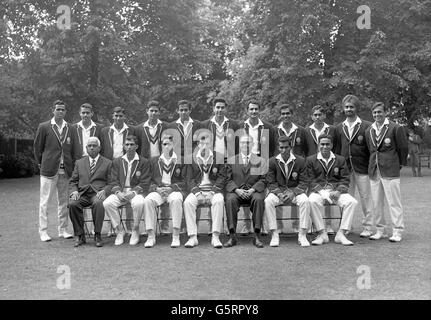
x=206 y=181
x=286 y=184
x=89 y=187
x=168 y=183
x=328 y=175
x=130 y=180
x=245 y=185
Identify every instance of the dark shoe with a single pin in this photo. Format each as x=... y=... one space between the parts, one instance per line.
x=98 y=239
x=257 y=242
x=79 y=241
x=231 y=242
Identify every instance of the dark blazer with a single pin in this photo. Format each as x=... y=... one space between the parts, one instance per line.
x=262 y=141
x=94 y=132
x=139 y=179
x=295 y=179
x=81 y=180
x=178 y=178
x=246 y=177
x=335 y=177
x=298 y=139
x=312 y=142
x=107 y=141
x=144 y=138
x=230 y=139
x=217 y=175
x=355 y=149
x=185 y=143
x=48 y=147
x=389 y=152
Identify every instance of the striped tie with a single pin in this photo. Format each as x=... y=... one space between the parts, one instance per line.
x=92 y=166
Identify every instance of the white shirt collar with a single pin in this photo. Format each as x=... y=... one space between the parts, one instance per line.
x=291 y=158
x=320 y=157
x=260 y=123
x=384 y=123
x=91 y=159
x=325 y=125
x=125 y=126
x=147 y=124
x=179 y=121
x=214 y=121
x=292 y=128
x=347 y=124
x=129 y=162
x=174 y=157
x=82 y=126
x=62 y=125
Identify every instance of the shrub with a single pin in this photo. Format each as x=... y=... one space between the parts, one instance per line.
x=18 y=166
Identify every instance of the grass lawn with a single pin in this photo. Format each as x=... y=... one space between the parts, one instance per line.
x=29 y=266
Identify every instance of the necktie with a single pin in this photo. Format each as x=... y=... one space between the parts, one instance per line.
x=246 y=160
x=92 y=166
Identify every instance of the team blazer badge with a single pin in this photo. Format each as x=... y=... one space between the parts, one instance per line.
x=336 y=171
x=178 y=171
x=68 y=140
x=298 y=140
x=138 y=173
x=360 y=139
x=215 y=170
x=294 y=175
x=387 y=141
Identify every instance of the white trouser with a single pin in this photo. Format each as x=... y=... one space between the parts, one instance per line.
x=154 y=200
x=362 y=183
x=383 y=190
x=317 y=210
x=112 y=203
x=271 y=201
x=60 y=182
x=217 y=205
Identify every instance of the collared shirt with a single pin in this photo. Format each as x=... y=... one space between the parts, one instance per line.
x=379 y=130
x=166 y=177
x=292 y=129
x=351 y=125
x=129 y=169
x=186 y=127
x=206 y=175
x=286 y=164
x=320 y=157
x=90 y=159
x=254 y=133
x=86 y=133
x=246 y=158
x=60 y=130
x=220 y=135
x=154 y=148
x=118 y=140
x=319 y=132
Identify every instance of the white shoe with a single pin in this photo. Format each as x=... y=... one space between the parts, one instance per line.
x=320 y=239
x=175 y=242
x=341 y=238
x=192 y=242
x=275 y=240
x=378 y=235
x=44 y=236
x=329 y=230
x=295 y=229
x=150 y=242
x=396 y=236
x=119 y=240
x=365 y=233
x=134 y=239
x=302 y=240
x=64 y=234
x=215 y=242
x=109 y=234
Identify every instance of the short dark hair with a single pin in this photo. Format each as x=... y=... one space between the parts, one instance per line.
x=352 y=99
x=58 y=103
x=153 y=103
x=287 y=106
x=184 y=102
x=133 y=138
x=378 y=104
x=325 y=136
x=283 y=139
x=219 y=100
x=118 y=109
x=253 y=102
x=87 y=106
x=318 y=108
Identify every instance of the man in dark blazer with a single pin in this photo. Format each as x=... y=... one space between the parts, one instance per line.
x=168 y=184
x=89 y=186
x=245 y=185
x=55 y=151
x=149 y=133
x=352 y=145
x=86 y=128
x=287 y=184
x=222 y=129
x=113 y=138
x=130 y=180
x=328 y=175
x=206 y=180
x=388 y=145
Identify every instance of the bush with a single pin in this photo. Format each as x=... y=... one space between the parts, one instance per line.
x=18 y=166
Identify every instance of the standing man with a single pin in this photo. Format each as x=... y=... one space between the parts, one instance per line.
x=86 y=128
x=245 y=184
x=222 y=130
x=261 y=132
x=388 y=147
x=168 y=184
x=414 y=142
x=206 y=181
x=328 y=175
x=287 y=183
x=89 y=187
x=55 y=152
x=114 y=137
x=351 y=144
x=149 y=133
x=130 y=180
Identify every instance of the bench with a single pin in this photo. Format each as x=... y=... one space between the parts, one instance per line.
x=424 y=157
